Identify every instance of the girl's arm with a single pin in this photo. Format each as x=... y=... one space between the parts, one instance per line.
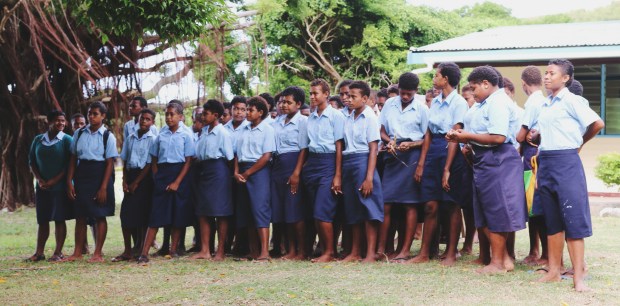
x=102 y=194
x=420 y=168
x=337 y=181
x=238 y=177
x=174 y=186
x=367 y=186
x=592 y=130
x=294 y=179
x=70 y=172
x=141 y=176
x=260 y=164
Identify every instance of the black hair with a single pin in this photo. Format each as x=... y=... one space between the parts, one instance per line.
x=305 y=106
x=270 y=100
x=408 y=81
x=99 y=105
x=227 y=105
x=482 y=73
x=575 y=87
x=260 y=104
x=531 y=76
x=500 y=77
x=566 y=66
x=393 y=89
x=148 y=111
x=142 y=101
x=298 y=94
x=362 y=86
x=337 y=99
x=214 y=106
x=345 y=83
x=53 y=114
x=382 y=93
x=320 y=82
x=238 y=99
x=508 y=85
x=77 y=115
x=276 y=98
x=451 y=71
x=466 y=88
x=176 y=105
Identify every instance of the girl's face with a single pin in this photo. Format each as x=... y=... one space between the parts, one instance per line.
x=288 y=106
x=58 y=124
x=555 y=79
x=208 y=117
x=345 y=97
x=481 y=90
x=317 y=96
x=225 y=116
x=95 y=117
x=172 y=117
x=469 y=97
x=439 y=81
x=79 y=123
x=254 y=114
x=356 y=99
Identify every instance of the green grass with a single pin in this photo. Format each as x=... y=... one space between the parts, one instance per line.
x=184 y=281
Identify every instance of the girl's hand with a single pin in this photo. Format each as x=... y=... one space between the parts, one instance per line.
x=391 y=147
x=293 y=181
x=125 y=187
x=133 y=187
x=444 y=180
x=419 y=170
x=239 y=178
x=71 y=192
x=336 y=185
x=43 y=184
x=173 y=187
x=366 y=188
x=101 y=197
x=457 y=136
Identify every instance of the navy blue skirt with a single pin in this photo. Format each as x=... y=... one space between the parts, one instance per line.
x=87 y=181
x=399 y=185
x=563 y=193
x=52 y=205
x=136 y=207
x=253 y=206
x=212 y=188
x=358 y=209
x=528 y=151
x=467 y=187
x=431 y=185
x=317 y=176
x=171 y=208
x=499 y=196
x=285 y=206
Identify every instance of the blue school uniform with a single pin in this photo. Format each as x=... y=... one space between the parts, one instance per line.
x=443 y=115
x=136 y=207
x=409 y=124
x=499 y=197
x=291 y=138
x=530 y=121
x=324 y=131
x=89 y=149
x=212 y=185
x=171 y=208
x=235 y=132
x=253 y=204
x=359 y=133
x=132 y=126
x=51 y=157
x=561 y=179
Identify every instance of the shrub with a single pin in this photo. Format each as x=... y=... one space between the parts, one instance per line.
x=608 y=169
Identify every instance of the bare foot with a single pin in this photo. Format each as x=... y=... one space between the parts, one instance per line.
x=289 y=256
x=466 y=251
x=580 y=286
x=323 y=258
x=491 y=270
x=352 y=258
x=531 y=259
x=201 y=256
x=393 y=255
x=72 y=258
x=369 y=259
x=550 y=277
x=443 y=255
x=418 y=259
x=478 y=261
x=542 y=261
x=448 y=261
x=96 y=259
x=509 y=264
x=219 y=257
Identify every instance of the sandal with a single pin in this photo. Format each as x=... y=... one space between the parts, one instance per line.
x=399 y=260
x=56 y=258
x=35 y=258
x=262 y=260
x=143 y=259
x=121 y=257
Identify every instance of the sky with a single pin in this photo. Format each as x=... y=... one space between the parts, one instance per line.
x=521 y=8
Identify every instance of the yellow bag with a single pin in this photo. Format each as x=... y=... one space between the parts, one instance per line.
x=529 y=178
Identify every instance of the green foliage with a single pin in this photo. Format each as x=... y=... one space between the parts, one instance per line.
x=609 y=12
x=170 y=19
x=608 y=169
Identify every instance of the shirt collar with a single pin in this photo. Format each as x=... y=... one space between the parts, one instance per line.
x=551 y=99
x=214 y=131
x=294 y=120
x=101 y=129
x=259 y=127
x=397 y=103
x=230 y=125
x=447 y=100
x=136 y=134
x=326 y=112
x=59 y=136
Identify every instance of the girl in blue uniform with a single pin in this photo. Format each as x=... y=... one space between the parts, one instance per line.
x=137 y=182
x=566 y=124
x=254 y=148
x=171 y=157
x=91 y=170
x=291 y=151
x=49 y=157
x=444 y=168
x=321 y=175
x=499 y=198
x=212 y=186
x=404 y=122
x=363 y=198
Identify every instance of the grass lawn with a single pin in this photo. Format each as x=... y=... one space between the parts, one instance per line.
x=183 y=281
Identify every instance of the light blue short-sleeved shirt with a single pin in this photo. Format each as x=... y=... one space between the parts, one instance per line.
x=409 y=123
x=532 y=110
x=172 y=147
x=214 y=144
x=445 y=113
x=89 y=146
x=325 y=130
x=131 y=127
x=291 y=136
x=135 y=152
x=254 y=142
x=563 y=119
x=516 y=116
x=235 y=132
x=493 y=116
x=360 y=131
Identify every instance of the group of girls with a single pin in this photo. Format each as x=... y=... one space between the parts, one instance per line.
x=317 y=174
